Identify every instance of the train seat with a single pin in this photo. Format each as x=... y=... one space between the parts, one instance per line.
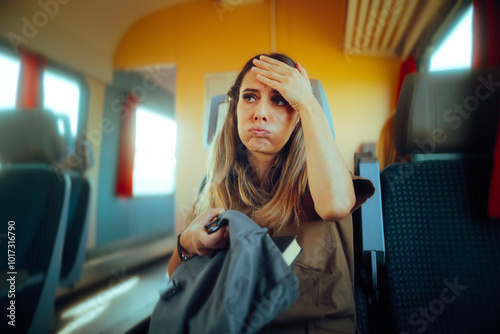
x=75 y=242
x=35 y=136
x=442 y=271
x=35 y=202
x=75 y=161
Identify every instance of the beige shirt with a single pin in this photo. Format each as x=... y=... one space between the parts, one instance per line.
x=325 y=270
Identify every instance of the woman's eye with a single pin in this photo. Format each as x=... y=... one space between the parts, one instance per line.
x=249 y=98
x=279 y=101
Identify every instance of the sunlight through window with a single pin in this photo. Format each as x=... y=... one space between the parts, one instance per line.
x=154 y=164
x=456 y=50
x=62 y=95
x=83 y=313
x=9 y=69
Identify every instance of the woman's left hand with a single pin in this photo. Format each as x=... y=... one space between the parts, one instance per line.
x=292 y=83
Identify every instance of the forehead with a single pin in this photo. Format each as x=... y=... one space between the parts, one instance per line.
x=250 y=81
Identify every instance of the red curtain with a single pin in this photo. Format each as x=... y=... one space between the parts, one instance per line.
x=486 y=52
x=486 y=26
x=407 y=67
x=29 y=89
x=479 y=38
x=124 y=182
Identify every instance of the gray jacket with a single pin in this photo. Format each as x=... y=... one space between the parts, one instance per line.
x=239 y=290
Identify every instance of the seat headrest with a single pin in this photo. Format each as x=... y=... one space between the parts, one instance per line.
x=448 y=112
x=220 y=104
x=30 y=137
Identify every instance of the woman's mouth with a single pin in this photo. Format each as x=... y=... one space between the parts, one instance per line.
x=259 y=132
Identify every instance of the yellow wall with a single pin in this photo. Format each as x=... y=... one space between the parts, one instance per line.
x=200 y=38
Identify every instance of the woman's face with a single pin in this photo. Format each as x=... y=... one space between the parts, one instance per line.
x=265 y=119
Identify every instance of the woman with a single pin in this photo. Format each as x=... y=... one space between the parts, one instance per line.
x=276 y=160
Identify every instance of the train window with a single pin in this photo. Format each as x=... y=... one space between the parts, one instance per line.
x=154 y=162
x=456 y=50
x=9 y=67
x=61 y=94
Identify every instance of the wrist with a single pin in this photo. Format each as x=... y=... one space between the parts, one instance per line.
x=186 y=244
x=310 y=106
x=184 y=253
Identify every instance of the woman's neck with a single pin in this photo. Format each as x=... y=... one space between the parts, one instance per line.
x=261 y=163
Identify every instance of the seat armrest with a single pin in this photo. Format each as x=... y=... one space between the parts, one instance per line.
x=372 y=227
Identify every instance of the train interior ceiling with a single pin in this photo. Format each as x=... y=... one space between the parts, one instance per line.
x=115 y=98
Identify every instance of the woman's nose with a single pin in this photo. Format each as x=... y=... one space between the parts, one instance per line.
x=261 y=112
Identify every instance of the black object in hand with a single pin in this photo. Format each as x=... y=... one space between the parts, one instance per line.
x=216 y=224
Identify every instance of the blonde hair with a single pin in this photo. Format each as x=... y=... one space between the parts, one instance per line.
x=230 y=174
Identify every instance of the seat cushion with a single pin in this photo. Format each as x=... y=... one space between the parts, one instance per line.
x=443 y=253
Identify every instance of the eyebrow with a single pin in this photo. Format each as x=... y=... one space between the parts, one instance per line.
x=253 y=90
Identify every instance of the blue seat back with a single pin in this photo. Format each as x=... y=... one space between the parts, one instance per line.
x=443 y=253
x=34 y=200
x=442 y=272
x=40 y=136
x=75 y=243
